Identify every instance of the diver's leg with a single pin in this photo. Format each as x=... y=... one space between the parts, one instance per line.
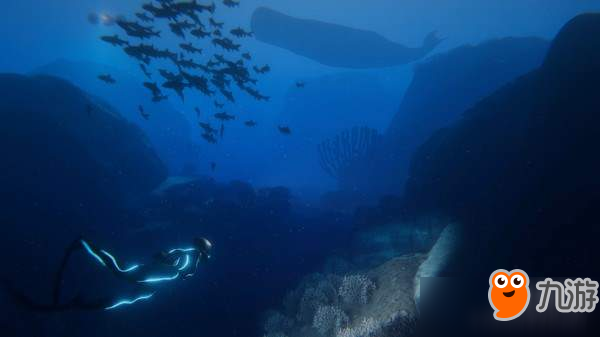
x=78 y=302
x=117 y=267
x=141 y=293
x=106 y=259
x=94 y=252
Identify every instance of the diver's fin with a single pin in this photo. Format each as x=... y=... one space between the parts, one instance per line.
x=77 y=303
x=58 y=280
x=20 y=298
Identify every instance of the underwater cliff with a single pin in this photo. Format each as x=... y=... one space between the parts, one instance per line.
x=169 y=131
x=520 y=167
x=64 y=131
x=513 y=182
x=444 y=86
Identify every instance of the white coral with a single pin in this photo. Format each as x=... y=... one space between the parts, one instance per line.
x=320 y=290
x=329 y=319
x=356 y=289
x=368 y=327
x=309 y=302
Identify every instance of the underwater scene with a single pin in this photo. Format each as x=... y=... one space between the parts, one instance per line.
x=299 y=168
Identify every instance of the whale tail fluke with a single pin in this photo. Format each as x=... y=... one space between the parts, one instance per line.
x=431 y=41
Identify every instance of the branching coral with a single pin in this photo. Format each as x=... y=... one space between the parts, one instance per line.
x=329 y=319
x=356 y=289
x=316 y=290
x=319 y=304
x=348 y=152
x=367 y=328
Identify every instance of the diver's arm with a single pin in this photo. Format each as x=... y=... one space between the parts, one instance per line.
x=177 y=256
x=172 y=257
x=191 y=270
x=184 y=259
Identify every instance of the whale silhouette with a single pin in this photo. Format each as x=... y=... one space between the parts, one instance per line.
x=335 y=45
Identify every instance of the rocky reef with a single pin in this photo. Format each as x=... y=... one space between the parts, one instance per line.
x=346 y=299
x=511 y=182
x=168 y=130
x=520 y=168
x=67 y=150
x=446 y=85
x=71 y=166
x=367 y=304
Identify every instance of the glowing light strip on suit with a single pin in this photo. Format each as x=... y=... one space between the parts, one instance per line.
x=92 y=253
x=128 y=302
x=114 y=261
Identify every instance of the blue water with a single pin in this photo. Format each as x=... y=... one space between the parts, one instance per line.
x=137 y=186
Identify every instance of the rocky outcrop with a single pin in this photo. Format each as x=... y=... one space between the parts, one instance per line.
x=441 y=255
x=372 y=303
x=67 y=152
x=520 y=169
x=374 y=245
x=168 y=130
x=374 y=298
x=446 y=85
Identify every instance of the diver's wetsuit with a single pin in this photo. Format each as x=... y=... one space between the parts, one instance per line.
x=175 y=264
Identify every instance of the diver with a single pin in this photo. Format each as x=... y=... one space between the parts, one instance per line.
x=167 y=266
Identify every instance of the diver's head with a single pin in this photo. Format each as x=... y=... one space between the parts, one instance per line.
x=204 y=246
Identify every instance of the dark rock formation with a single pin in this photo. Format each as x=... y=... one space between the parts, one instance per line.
x=63 y=159
x=444 y=86
x=334 y=45
x=521 y=168
x=167 y=129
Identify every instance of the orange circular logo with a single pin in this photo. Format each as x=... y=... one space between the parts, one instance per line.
x=509 y=293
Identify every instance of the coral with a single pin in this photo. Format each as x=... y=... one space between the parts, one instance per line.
x=311 y=299
x=348 y=153
x=329 y=319
x=368 y=327
x=356 y=289
x=315 y=290
x=328 y=305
